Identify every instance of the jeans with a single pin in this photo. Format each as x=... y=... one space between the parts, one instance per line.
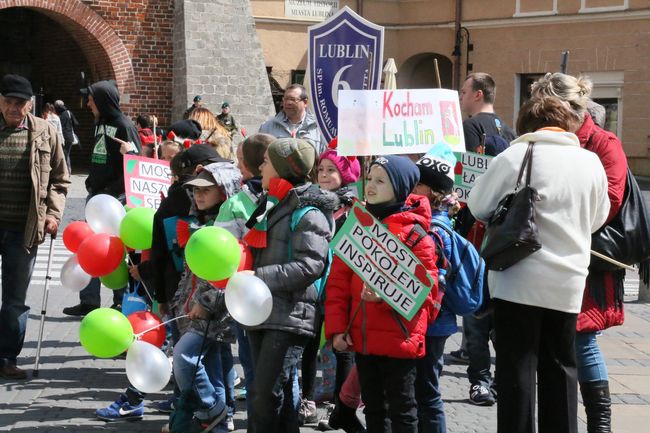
x=17 y=268
x=535 y=352
x=245 y=361
x=388 y=390
x=276 y=355
x=477 y=335
x=208 y=381
x=431 y=412
x=591 y=364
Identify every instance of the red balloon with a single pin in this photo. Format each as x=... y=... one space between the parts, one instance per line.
x=100 y=254
x=75 y=233
x=245 y=264
x=143 y=320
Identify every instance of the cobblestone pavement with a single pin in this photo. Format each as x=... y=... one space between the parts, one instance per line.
x=72 y=384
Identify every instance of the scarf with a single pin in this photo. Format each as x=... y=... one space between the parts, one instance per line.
x=257 y=223
x=384 y=210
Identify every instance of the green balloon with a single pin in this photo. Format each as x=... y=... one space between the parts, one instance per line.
x=136 y=229
x=105 y=333
x=116 y=279
x=212 y=253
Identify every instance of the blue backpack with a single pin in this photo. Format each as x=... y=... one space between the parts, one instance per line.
x=464 y=279
x=296 y=216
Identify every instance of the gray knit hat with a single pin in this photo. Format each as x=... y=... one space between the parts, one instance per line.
x=292 y=158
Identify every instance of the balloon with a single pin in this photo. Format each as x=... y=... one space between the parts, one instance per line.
x=104 y=214
x=248 y=299
x=105 y=333
x=117 y=279
x=147 y=367
x=212 y=253
x=136 y=229
x=245 y=264
x=100 y=254
x=143 y=320
x=72 y=276
x=75 y=233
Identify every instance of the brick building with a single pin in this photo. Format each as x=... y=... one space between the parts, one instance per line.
x=514 y=40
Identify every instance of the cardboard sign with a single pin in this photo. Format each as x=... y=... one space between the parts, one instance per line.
x=469 y=167
x=339 y=54
x=383 y=262
x=144 y=181
x=384 y=122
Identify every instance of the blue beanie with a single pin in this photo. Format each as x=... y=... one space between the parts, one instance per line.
x=404 y=175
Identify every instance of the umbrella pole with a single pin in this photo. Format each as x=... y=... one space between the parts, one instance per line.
x=46 y=291
x=437 y=70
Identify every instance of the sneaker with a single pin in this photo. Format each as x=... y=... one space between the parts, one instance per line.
x=121 y=410
x=166 y=406
x=237 y=380
x=205 y=426
x=79 y=310
x=307 y=414
x=230 y=423
x=459 y=356
x=480 y=396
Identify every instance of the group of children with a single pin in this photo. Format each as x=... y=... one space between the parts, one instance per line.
x=284 y=202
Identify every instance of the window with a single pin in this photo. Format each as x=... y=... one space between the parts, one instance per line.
x=528 y=8
x=298 y=76
x=589 y=6
x=522 y=91
x=608 y=92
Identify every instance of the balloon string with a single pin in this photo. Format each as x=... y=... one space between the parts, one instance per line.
x=161 y=324
x=128 y=259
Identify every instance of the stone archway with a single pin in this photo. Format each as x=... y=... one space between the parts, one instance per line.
x=102 y=47
x=417 y=72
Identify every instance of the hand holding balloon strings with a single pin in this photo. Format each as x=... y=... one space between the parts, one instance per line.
x=144 y=285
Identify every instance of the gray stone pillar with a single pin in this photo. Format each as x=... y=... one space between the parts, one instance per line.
x=217 y=55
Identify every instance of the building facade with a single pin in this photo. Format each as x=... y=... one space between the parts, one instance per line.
x=514 y=40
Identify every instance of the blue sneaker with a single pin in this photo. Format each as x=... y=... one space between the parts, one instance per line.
x=121 y=410
x=167 y=406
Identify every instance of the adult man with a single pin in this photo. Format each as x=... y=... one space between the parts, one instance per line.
x=33 y=185
x=294 y=120
x=68 y=124
x=477 y=102
x=196 y=103
x=226 y=118
x=106 y=174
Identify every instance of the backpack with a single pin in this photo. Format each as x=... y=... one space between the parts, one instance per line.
x=320 y=283
x=493 y=144
x=464 y=278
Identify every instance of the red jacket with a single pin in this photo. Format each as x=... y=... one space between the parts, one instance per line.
x=375 y=330
x=593 y=317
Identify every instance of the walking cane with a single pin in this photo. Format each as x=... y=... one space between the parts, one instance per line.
x=46 y=291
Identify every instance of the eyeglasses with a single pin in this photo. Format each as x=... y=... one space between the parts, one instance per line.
x=294 y=100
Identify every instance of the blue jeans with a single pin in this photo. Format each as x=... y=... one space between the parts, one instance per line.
x=229 y=376
x=431 y=412
x=17 y=268
x=477 y=335
x=591 y=364
x=276 y=355
x=208 y=382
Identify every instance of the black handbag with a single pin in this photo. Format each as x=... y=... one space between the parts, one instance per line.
x=626 y=238
x=511 y=233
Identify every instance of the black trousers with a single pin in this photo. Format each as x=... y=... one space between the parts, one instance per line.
x=388 y=391
x=535 y=343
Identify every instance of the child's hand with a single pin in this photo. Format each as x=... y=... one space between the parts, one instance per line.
x=135 y=273
x=198 y=312
x=369 y=295
x=342 y=342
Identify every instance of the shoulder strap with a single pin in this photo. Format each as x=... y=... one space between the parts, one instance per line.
x=414 y=237
x=297 y=215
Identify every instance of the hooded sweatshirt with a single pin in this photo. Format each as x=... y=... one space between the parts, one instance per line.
x=106 y=173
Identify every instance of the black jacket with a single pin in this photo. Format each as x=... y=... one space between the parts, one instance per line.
x=106 y=175
x=68 y=124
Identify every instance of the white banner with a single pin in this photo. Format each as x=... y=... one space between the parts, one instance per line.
x=312 y=10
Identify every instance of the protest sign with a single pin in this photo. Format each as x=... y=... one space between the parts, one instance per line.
x=339 y=54
x=469 y=167
x=384 y=122
x=383 y=262
x=144 y=180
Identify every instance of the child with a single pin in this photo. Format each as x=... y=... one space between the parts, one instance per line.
x=386 y=345
x=289 y=261
x=196 y=297
x=168 y=149
x=436 y=184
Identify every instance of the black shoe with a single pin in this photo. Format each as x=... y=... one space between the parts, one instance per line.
x=598 y=406
x=345 y=418
x=79 y=310
x=480 y=396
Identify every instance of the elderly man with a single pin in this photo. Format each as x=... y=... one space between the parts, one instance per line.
x=294 y=120
x=33 y=185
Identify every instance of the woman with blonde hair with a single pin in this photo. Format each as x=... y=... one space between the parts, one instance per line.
x=602 y=303
x=214 y=133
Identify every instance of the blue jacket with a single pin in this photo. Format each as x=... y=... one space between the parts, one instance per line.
x=445 y=324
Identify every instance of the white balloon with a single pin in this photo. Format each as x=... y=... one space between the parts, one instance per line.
x=104 y=214
x=72 y=276
x=248 y=299
x=147 y=367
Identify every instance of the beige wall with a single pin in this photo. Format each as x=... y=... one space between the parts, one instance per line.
x=504 y=45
